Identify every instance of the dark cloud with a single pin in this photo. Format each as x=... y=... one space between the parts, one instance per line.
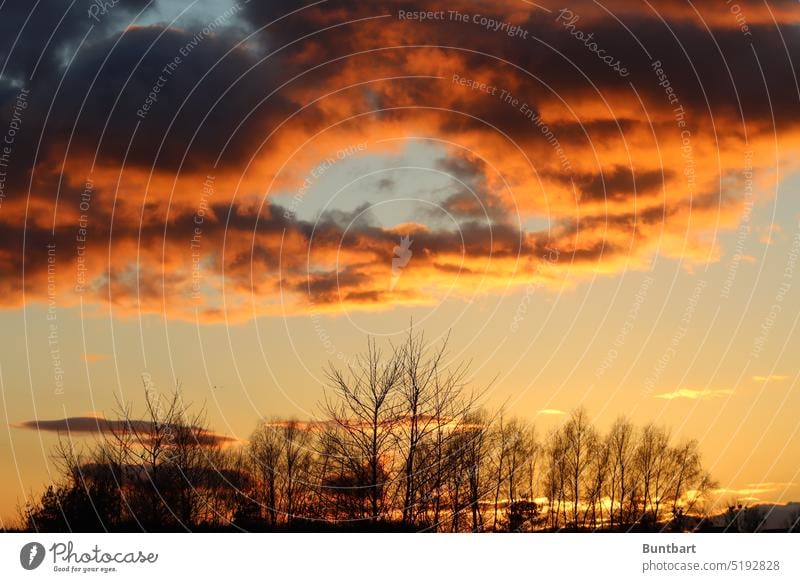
x=706 y=65
x=359 y=217
x=617 y=183
x=472 y=199
x=386 y=184
x=76 y=425
x=327 y=287
x=213 y=104
x=37 y=37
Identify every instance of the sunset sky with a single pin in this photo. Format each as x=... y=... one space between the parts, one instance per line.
x=214 y=194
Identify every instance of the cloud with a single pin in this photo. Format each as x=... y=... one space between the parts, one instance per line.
x=551 y=412
x=769 y=378
x=690 y=394
x=752 y=490
x=77 y=425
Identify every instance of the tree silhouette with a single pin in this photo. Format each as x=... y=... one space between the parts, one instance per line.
x=401 y=444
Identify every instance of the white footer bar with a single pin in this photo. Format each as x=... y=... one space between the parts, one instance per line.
x=401 y=557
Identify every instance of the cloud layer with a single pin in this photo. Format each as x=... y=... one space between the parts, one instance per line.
x=147 y=159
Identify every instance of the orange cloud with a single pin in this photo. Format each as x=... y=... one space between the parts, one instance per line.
x=178 y=211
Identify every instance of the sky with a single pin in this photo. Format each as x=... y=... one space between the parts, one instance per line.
x=600 y=204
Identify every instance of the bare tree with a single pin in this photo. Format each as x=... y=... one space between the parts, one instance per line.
x=153 y=439
x=297 y=459
x=187 y=460
x=598 y=478
x=686 y=471
x=651 y=462
x=265 y=448
x=503 y=443
x=362 y=402
x=557 y=471
x=476 y=432
x=433 y=397
x=466 y=472
x=517 y=453
x=621 y=445
x=580 y=440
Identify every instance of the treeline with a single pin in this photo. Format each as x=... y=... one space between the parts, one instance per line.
x=401 y=444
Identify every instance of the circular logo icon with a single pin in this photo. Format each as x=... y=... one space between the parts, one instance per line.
x=31 y=555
